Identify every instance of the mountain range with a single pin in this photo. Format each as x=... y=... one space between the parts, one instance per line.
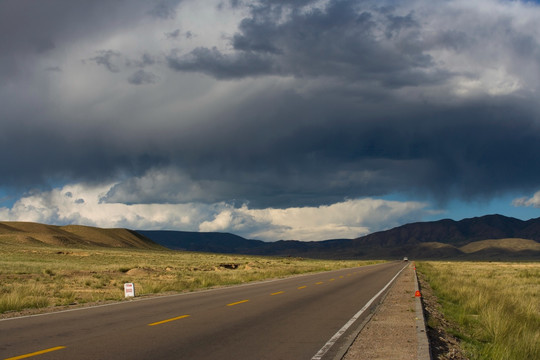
x=489 y=237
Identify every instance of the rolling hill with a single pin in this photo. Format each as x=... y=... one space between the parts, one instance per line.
x=72 y=235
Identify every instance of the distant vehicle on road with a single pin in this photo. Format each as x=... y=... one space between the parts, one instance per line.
x=405 y=259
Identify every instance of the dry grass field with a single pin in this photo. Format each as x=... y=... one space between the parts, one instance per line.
x=495 y=306
x=40 y=276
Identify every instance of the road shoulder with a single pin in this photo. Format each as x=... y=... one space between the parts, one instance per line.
x=392 y=331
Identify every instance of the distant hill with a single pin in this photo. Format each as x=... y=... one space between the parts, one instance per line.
x=490 y=236
x=502 y=244
x=507 y=248
x=72 y=235
x=455 y=232
x=202 y=241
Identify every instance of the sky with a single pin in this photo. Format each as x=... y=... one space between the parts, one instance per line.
x=302 y=119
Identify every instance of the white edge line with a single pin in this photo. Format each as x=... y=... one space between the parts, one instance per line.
x=335 y=338
x=124 y=302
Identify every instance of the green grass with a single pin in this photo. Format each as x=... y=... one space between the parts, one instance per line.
x=42 y=276
x=495 y=305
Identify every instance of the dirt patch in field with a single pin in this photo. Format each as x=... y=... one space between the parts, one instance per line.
x=140 y=272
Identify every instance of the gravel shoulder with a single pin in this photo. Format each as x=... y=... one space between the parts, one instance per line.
x=392 y=332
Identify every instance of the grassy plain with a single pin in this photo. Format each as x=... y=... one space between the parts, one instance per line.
x=496 y=306
x=42 y=275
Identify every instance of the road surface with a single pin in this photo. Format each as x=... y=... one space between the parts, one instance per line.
x=291 y=318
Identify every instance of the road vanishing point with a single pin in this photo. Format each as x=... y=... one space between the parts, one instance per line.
x=300 y=317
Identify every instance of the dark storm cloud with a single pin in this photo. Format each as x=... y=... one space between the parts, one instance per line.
x=346 y=39
x=222 y=66
x=38 y=142
x=141 y=77
x=39 y=155
x=173 y=34
x=112 y=61
x=109 y=59
x=38 y=26
x=43 y=45
x=336 y=150
x=339 y=102
x=165 y=9
x=53 y=68
x=30 y=30
x=145 y=60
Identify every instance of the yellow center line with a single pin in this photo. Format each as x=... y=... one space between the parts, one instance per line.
x=238 y=302
x=332 y=279
x=341 y=277
x=168 y=320
x=36 y=353
x=302 y=287
x=318 y=283
x=277 y=293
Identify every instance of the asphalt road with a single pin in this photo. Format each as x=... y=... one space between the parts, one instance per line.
x=290 y=318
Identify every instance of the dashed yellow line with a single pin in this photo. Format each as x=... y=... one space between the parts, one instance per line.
x=156 y=323
x=238 y=302
x=36 y=353
x=168 y=320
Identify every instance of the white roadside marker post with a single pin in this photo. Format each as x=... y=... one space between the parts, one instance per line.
x=129 y=290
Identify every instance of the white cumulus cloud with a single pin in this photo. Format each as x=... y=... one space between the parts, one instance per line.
x=347 y=219
x=85 y=205
x=533 y=201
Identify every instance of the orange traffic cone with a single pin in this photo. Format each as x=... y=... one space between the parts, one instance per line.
x=417 y=293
